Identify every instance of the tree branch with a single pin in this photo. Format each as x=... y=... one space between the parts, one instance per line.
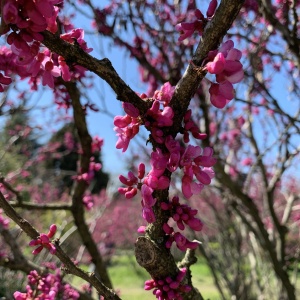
x=70 y=267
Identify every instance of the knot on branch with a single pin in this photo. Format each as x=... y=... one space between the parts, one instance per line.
x=156 y=260
x=145 y=252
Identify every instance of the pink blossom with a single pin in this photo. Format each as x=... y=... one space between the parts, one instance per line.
x=130 y=110
x=186 y=186
x=10 y=13
x=50 y=71
x=187 y=29
x=122 y=121
x=228 y=69
x=189 y=154
x=158 y=183
x=148 y=200
x=168 y=288
x=211 y=8
x=217 y=65
x=97 y=144
x=44 y=241
x=181 y=214
x=165 y=94
x=141 y=171
x=78 y=35
x=216 y=97
x=47 y=286
x=5 y=80
x=142 y=229
x=163 y=117
x=126 y=128
x=247 y=161
x=158 y=162
x=64 y=68
x=148 y=214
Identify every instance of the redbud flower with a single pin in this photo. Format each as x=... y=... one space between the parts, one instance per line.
x=142 y=229
x=181 y=213
x=10 y=13
x=141 y=171
x=168 y=288
x=4 y=80
x=187 y=29
x=247 y=161
x=148 y=200
x=44 y=241
x=165 y=94
x=148 y=214
x=228 y=69
x=211 y=8
x=3 y=221
x=129 y=191
x=130 y=110
x=50 y=71
x=65 y=71
x=217 y=65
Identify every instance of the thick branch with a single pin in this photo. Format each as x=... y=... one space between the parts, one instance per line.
x=211 y=39
x=103 y=68
x=78 y=209
x=148 y=254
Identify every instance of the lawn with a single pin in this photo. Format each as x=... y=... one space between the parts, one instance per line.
x=129 y=278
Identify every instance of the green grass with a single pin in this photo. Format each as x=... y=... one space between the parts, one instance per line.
x=129 y=278
x=203 y=280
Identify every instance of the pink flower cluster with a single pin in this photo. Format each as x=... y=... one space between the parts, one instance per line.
x=192 y=160
x=88 y=201
x=225 y=64
x=157 y=118
x=152 y=181
x=3 y=221
x=164 y=94
x=168 y=288
x=32 y=17
x=97 y=144
x=44 y=241
x=47 y=287
x=180 y=240
x=187 y=29
x=196 y=162
x=126 y=126
x=89 y=176
x=191 y=127
x=78 y=36
x=155 y=180
x=182 y=213
x=130 y=191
